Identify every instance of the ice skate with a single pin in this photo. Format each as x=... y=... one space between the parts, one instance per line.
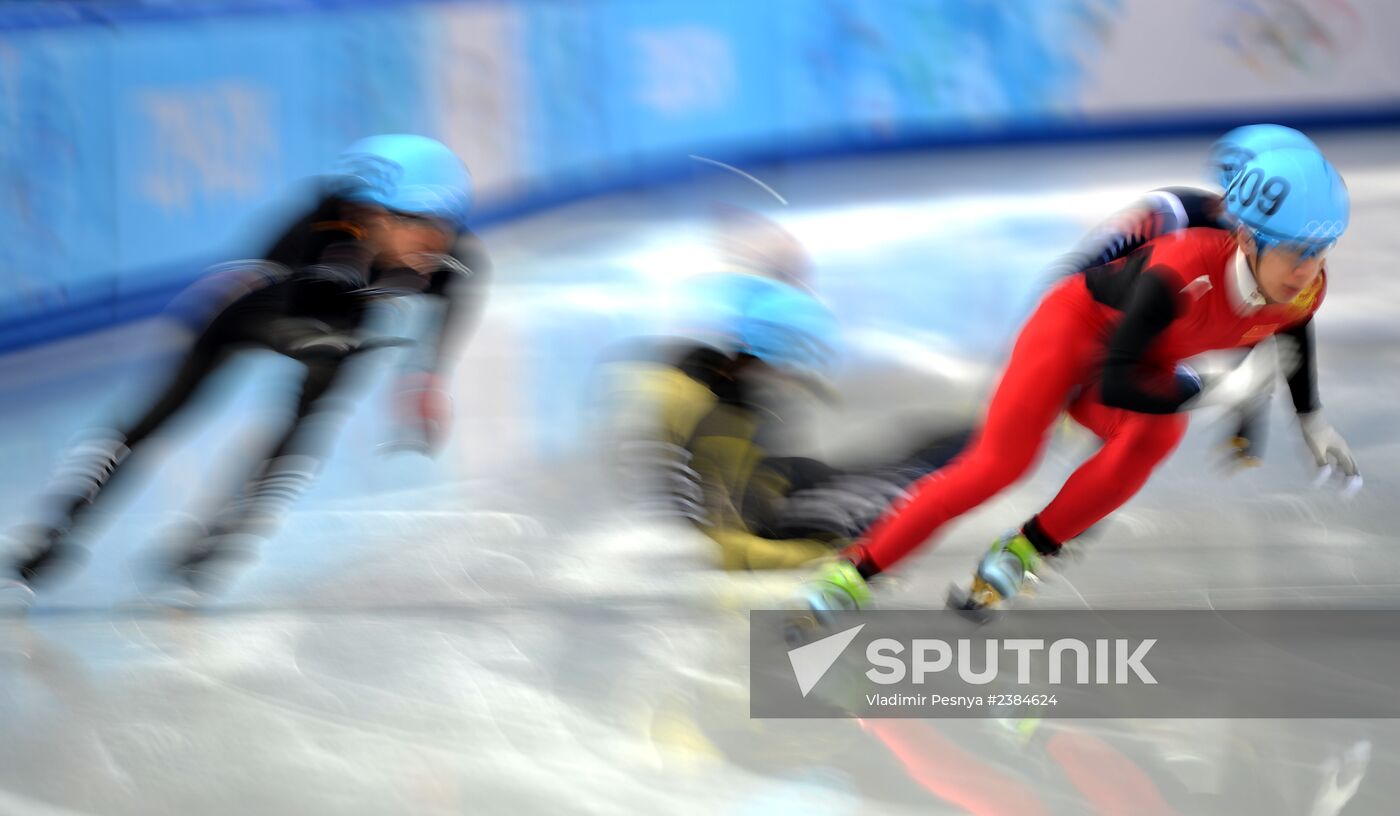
x=195 y=567
x=15 y=596
x=1010 y=568
x=37 y=553
x=837 y=587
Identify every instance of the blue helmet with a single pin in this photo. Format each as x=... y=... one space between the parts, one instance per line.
x=790 y=330
x=1292 y=196
x=713 y=307
x=1231 y=151
x=779 y=323
x=409 y=174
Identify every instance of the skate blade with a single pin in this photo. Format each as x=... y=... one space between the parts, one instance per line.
x=806 y=626
x=808 y=621
x=180 y=599
x=15 y=597
x=801 y=629
x=976 y=604
x=175 y=599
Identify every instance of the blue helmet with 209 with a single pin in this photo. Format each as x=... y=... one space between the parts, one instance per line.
x=1231 y=151
x=1290 y=196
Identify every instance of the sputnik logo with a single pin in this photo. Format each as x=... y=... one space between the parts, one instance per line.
x=811 y=662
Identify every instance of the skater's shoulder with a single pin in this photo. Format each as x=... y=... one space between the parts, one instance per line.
x=1190 y=207
x=329 y=219
x=1196 y=244
x=1184 y=258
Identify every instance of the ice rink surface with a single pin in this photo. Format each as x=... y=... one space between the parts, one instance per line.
x=490 y=633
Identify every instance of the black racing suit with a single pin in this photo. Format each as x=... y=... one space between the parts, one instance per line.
x=307 y=298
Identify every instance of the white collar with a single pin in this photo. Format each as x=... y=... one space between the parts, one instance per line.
x=1245 y=295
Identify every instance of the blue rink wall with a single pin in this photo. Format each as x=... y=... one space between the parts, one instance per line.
x=142 y=141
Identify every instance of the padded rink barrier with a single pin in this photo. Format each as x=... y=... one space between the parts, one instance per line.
x=144 y=140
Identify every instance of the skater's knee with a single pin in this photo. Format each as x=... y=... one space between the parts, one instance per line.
x=1000 y=463
x=1155 y=436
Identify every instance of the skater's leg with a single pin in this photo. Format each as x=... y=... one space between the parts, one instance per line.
x=92 y=466
x=1056 y=352
x=280 y=478
x=1134 y=445
x=778 y=501
x=1053 y=355
x=827 y=503
x=95 y=463
x=937 y=452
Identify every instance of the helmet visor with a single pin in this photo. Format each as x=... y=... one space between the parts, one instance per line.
x=1303 y=250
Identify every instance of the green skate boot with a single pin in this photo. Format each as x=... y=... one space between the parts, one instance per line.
x=836 y=587
x=1009 y=568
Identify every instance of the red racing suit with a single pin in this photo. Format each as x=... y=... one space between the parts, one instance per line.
x=1102 y=345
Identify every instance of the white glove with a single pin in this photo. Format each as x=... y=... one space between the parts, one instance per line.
x=1244 y=385
x=1330 y=451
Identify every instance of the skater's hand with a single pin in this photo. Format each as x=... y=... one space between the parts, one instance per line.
x=423 y=405
x=1330 y=452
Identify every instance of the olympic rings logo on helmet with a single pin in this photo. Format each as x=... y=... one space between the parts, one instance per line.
x=1324 y=229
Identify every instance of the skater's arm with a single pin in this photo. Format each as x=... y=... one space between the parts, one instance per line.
x=1158 y=213
x=1302 y=379
x=459 y=292
x=1327 y=446
x=455 y=292
x=1150 y=308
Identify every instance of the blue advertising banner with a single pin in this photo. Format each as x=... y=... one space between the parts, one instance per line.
x=132 y=155
x=137 y=139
